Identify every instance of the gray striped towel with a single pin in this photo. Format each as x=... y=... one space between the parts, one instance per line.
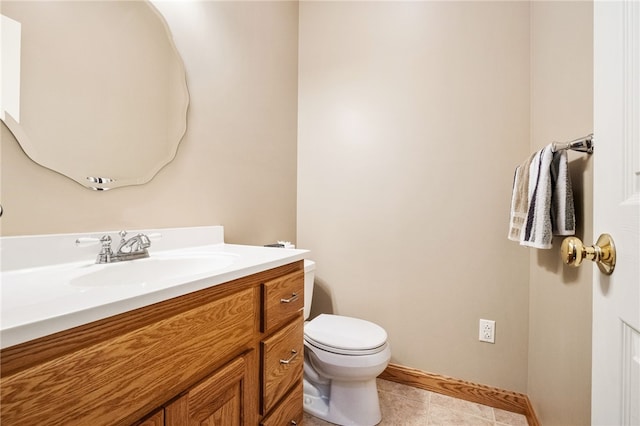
x=542 y=200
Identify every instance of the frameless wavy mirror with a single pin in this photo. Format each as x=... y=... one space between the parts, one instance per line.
x=102 y=89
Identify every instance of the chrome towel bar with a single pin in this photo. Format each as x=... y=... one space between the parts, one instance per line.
x=584 y=144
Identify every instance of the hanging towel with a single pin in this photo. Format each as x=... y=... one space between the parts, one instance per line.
x=520 y=199
x=537 y=228
x=563 y=216
x=542 y=200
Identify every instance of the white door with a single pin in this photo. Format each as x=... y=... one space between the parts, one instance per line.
x=616 y=298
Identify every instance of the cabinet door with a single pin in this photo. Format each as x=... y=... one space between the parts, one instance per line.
x=216 y=401
x=155 y=419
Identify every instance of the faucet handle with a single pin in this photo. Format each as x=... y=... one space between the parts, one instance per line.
x=105 y=254
x=87 y=241
x=105 y=240
x=153 y=236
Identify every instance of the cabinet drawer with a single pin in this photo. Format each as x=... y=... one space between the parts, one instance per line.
x=289 y=412
x=283 y=361
x=283 y=298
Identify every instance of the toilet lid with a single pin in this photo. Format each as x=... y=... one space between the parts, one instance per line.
x=344 y=333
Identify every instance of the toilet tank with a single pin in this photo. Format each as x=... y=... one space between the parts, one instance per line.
x=309 y=274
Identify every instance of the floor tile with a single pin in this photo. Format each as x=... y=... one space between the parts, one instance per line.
x=309 y=420
x=403 y=405
x=408 y=392
x=509 y=418
x=399 y=410
x=443 y=416
x=478 y=410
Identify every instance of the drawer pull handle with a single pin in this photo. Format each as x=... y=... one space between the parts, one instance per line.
x=294 y=353
x=293 y=422
x=294 y=297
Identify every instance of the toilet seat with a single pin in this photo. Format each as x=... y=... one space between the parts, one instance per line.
x=345 y=335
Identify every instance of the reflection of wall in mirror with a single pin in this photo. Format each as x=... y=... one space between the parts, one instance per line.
x=102 y=80
x=10 y=91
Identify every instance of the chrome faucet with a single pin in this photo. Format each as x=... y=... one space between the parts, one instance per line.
x=129 y=249
x=134 y=247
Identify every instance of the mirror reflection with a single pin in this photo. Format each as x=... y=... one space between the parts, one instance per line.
x=103 y=96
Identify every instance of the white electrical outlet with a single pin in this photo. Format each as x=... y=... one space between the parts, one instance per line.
x=487 y=331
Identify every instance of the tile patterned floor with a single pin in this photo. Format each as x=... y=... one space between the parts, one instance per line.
x=403 y=405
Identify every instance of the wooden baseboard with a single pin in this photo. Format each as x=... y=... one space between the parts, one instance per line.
x=481 y=394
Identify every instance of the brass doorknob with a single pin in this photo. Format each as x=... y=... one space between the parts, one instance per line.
x=603 y=252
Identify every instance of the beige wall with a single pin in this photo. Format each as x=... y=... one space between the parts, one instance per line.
x=236 y=166
x=412 y=117
x=560 y=298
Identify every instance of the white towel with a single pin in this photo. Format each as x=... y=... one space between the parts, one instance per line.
x=542 y=200
x=520 y=200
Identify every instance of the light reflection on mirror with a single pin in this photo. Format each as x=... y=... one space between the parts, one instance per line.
x=10 y=66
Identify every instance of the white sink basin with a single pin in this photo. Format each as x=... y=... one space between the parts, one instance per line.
x=151 y=270
x=49 y=284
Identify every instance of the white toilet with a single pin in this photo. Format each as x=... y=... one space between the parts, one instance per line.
x=342 y=358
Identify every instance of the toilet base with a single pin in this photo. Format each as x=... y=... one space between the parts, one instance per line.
x=344 y=403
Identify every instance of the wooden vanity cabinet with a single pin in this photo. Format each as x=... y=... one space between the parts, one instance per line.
x=198 y=359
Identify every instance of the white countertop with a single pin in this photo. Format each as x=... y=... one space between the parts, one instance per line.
x=41 y=296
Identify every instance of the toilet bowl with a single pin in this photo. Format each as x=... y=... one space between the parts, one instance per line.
x=342 y=358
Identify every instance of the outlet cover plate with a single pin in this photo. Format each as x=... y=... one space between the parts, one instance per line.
x=487 y=331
